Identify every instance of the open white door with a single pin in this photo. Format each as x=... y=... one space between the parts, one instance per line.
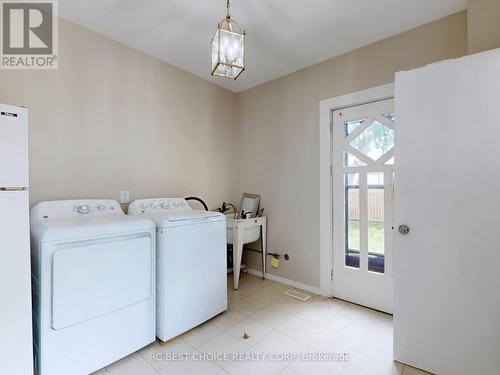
x=447 y=190
x=363 y=162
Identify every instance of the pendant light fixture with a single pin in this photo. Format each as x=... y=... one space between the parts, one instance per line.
x=228 y=48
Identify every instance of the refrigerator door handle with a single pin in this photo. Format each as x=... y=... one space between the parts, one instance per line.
x=9 y=188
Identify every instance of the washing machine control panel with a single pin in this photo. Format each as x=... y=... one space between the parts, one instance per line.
x=76 y=208
x=83 y=209
x=158 y=205
x=96 y=208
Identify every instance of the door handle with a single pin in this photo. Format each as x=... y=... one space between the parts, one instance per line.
x=404 y=229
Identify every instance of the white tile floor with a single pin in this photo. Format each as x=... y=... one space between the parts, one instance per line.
x=276 y=324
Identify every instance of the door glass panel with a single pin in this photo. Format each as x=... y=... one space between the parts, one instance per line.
x=352 y=161
x=390 y=116
x=375 y=140
x=352 y=239
x=349 y=126
x=376 y=243
x=390 y=161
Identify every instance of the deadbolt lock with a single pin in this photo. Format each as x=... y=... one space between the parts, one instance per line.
x=404 y=229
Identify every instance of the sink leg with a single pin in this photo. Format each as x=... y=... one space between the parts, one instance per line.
x=237 y=255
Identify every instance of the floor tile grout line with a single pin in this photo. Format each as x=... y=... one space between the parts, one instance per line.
x=290 y=311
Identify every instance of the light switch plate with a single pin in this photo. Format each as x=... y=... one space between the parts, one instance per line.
x=124 y=197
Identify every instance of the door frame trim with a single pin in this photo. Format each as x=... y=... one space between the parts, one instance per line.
x=326 y=109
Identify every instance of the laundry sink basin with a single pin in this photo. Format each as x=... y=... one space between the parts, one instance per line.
x=250 y=234
x=241 y=232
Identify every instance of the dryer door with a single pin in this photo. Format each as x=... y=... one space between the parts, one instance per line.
x=95 y=277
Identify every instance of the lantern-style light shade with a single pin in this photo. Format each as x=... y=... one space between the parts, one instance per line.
x=228 y=50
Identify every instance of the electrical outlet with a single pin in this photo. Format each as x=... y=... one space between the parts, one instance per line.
x=125 y=197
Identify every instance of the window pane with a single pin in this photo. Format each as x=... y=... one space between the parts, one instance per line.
x=374 y=141
x=215 y=50
x=351 y=188
x=352 y=161
x=376 y=243
x=231 y=47
x=390 y=116
x=349 y=126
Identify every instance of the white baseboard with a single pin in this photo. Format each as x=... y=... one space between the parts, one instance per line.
x=282 y=280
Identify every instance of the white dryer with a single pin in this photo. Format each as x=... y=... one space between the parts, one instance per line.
x=191 y=263
x=93 y=279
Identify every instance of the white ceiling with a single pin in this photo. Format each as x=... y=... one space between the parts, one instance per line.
x=282 y=35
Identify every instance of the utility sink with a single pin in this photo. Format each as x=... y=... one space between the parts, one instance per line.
x=250 y=234
x=243 y=231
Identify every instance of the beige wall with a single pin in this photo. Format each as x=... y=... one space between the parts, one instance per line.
x=483 y=25
x=279 y=131
x=111 y=118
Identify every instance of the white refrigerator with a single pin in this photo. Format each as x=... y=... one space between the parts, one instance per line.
x=16 y=343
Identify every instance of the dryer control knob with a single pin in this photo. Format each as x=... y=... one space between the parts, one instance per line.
x=165 y=205
x=83 y=209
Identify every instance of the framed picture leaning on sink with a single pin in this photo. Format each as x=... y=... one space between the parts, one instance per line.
x=249 y=206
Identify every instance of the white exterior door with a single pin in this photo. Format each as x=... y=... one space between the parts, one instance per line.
x=362 y=175
x=447 y=268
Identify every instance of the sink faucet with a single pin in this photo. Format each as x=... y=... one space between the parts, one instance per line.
x=225 y=207
x=244 y=214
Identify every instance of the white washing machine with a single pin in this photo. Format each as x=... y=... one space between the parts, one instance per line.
x=191 y=263
x=93 y=279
